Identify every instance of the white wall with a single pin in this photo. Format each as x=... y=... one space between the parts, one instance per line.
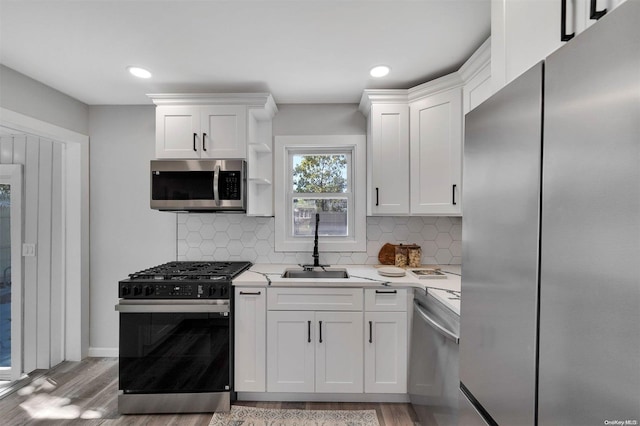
x=22 y=94
x=43 y=224
x=324 y=119
x=126 y=235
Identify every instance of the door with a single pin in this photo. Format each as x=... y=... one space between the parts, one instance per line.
x=389 y=160
x=178 y=132
x=224 y=131
x=498 y=319
x=290 y=351
x=385 y=354
x=589 y=315
x=174 y=352
x=339 y=352
x=436 y=154
x=10 y=272
x=250 y=340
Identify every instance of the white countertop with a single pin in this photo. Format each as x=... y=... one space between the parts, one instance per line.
x=363 y=276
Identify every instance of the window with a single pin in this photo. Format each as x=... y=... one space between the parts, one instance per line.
x=324 y=176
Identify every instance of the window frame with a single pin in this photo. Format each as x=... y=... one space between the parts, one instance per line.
x=285 y=148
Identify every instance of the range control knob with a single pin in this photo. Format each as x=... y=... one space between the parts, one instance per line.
x=212 y=290
x=125 y=290
x=223 y=291
x=148 y=290
x=136 y=290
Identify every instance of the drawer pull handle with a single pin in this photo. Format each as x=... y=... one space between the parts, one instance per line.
x=248 y=293
x=386 y=291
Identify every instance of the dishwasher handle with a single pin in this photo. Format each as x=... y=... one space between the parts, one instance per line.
x=437 y=327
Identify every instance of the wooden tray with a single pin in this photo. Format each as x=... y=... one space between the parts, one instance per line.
x=387 y=254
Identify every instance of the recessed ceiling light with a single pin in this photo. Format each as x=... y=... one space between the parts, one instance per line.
x=139 y=72
x=379 y=71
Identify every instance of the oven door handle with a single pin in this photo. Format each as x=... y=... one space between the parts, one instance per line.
x=167 y=308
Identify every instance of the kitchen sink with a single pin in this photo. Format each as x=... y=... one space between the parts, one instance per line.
x=322 y=273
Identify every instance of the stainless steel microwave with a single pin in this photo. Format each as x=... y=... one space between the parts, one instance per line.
x=204 y=185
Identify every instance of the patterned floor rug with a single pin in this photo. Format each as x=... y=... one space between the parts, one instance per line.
x=250 y=416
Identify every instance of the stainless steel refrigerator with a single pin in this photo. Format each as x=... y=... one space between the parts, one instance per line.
x=550 y=309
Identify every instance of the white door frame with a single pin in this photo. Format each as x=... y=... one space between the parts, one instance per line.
x=12 y=174
x=76 y=187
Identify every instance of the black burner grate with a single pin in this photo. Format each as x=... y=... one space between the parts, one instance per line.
x=192 y=271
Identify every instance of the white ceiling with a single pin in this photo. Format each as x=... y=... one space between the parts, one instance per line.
x=302 y=51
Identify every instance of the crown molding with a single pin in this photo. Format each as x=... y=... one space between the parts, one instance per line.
x=449 y=81
x=260 y=100
x=381 y=96
x=477 y=62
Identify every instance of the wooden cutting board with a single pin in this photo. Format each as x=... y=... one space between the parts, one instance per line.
x=387 y=254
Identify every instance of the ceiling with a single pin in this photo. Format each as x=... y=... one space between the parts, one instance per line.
x=302 y=51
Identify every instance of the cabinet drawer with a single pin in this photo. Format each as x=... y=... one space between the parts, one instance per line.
x=387 y=299
x=314 y=299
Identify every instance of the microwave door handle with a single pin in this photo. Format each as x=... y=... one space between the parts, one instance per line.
x=216 y=177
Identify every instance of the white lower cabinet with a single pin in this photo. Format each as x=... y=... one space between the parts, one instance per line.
x=386 y=341
x=250 y=339
x=385 y=354
x=290 y=351
x=321 y=340
x=311 y=351
x=339 y=352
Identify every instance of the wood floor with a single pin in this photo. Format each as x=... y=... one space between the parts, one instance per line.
x=89 y=388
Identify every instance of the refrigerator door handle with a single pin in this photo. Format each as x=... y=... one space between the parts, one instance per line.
x=596 y=14
x=563 y=22
x=440 y=329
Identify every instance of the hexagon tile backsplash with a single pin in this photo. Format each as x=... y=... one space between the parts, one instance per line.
x=207 y=236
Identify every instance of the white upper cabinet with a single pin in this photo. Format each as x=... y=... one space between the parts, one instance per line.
x=524 y=32
x=436 y=154
x=410 y=133
x=201 y=131
x=415 y=140
x=208 y=125
x=224 y=131
x=388 y=154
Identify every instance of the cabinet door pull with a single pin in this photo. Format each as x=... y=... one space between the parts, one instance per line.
x=248 y=293
x=320 y=331
x=204 y=135
x=195 y=135
x=386 y=291
x=563 y=22
x=596 y=14
x=308 y=331
x=370 y=331
x=377 y=197
x=453 y=194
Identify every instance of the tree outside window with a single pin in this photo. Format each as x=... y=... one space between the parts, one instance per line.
x=320 y=184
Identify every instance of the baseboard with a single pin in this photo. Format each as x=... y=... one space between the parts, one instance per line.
x=103 y=352
x=323 y=397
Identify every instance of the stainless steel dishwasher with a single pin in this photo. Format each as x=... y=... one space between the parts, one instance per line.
x=433 y=366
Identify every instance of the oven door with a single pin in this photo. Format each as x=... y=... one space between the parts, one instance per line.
x=169 y=347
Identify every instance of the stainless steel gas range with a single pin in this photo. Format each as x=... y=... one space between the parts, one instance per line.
x=176 y=345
